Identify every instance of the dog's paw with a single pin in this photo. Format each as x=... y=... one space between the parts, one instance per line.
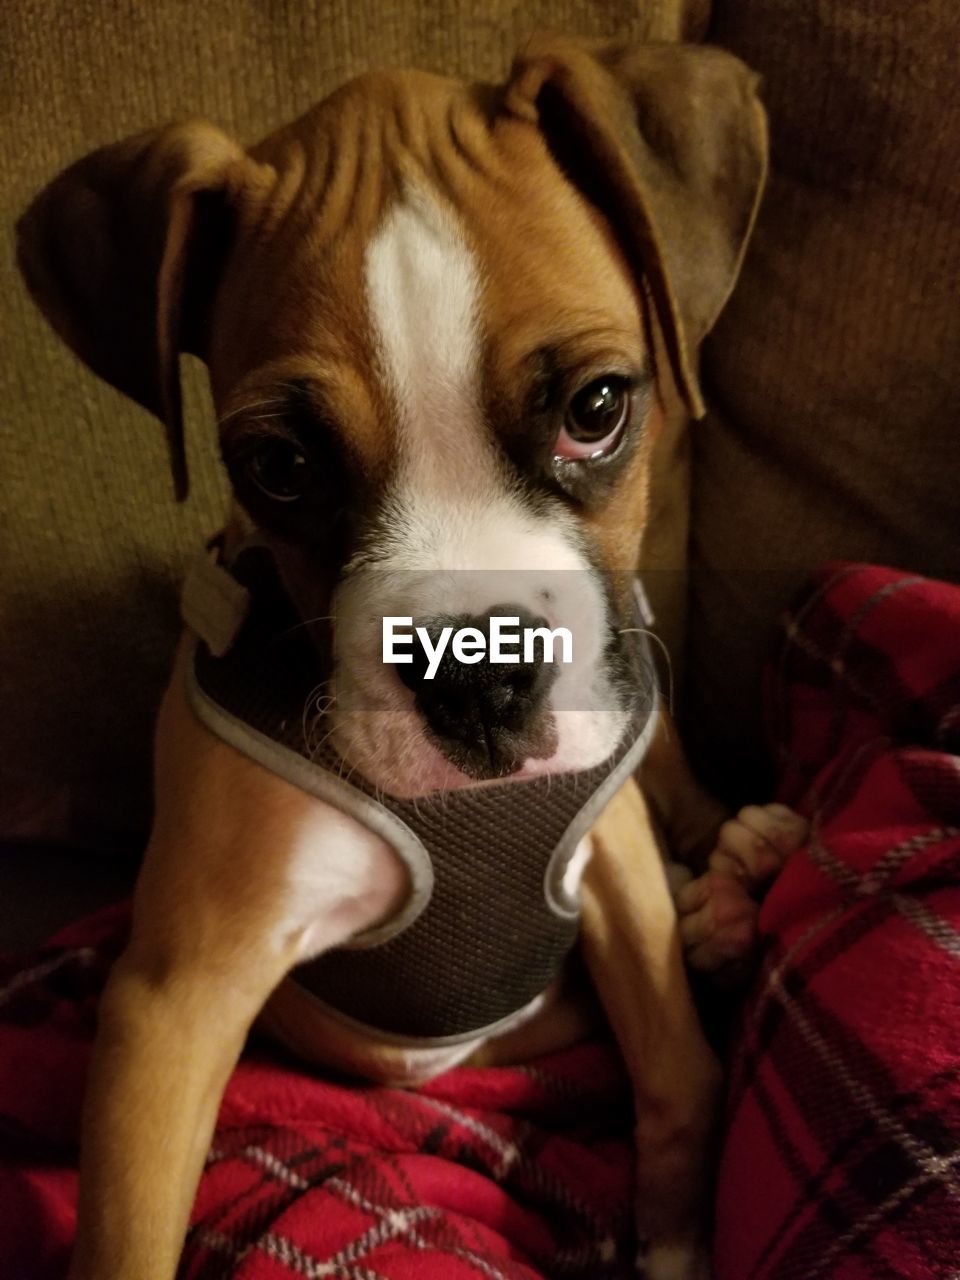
x=753 y=846
x=718 y=922
x=717 y=915
x=674 y=1262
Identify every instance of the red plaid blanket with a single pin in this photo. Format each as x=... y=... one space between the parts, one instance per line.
x=842 y=1151
x=841 y=1156
x=503 y=1174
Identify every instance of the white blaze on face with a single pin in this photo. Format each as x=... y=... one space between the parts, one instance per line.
x=423 y=291
x=456 y=527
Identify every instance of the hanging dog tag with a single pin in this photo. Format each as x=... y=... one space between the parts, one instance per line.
x=214 y=604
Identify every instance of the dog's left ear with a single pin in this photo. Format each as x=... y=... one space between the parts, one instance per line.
x=670 y=143
x=122 y=251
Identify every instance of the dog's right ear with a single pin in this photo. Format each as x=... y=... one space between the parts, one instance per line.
x=122 y=253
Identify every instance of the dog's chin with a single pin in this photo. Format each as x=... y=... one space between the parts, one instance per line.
x=394 y=752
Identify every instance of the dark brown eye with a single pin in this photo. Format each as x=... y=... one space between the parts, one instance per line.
x=280 y=469
x=595 y=418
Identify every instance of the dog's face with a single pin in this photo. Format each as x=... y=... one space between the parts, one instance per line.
x=425 y=308
x=453 y=419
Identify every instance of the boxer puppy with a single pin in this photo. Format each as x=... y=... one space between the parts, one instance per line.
x=428 y=310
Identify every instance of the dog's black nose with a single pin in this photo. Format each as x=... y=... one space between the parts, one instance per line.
x=489 y=715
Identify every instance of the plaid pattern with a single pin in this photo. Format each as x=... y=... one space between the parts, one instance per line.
x=842 y=1151
x=498 y=1174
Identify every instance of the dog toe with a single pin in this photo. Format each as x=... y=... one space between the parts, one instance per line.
x=717 y=921
x=753 y=846
x=778 y=825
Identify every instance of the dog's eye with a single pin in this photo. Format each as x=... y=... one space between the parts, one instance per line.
x=280 y=470
x=595 y=418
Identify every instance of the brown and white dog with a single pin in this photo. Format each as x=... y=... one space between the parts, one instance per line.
x=428 y=312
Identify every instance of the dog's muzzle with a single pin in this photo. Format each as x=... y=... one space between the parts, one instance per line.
x=488 y=921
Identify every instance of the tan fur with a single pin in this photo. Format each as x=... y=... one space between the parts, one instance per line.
x=254 y=260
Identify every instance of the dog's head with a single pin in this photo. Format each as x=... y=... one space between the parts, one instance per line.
x=427 y=310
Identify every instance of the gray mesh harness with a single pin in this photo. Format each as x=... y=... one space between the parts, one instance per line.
x=487 y=924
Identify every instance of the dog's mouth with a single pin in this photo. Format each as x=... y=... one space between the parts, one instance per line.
x=498 y=751
x=399 y=754
x=501 y=753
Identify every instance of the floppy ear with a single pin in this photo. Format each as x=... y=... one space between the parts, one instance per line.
x=670 y=143
x=121 y=253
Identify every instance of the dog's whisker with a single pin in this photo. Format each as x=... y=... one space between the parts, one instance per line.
x=247 y=408
x=668 y=661
x=323 y=739
x=329 y=617
x=269 y=417
x=312 y=702
x=292 y=388
x=313 y=744
x=316 y=736
x=317 y=747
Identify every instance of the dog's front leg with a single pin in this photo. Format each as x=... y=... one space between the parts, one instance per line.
x=166 y=1044
x=632 y=946
x=244 y=877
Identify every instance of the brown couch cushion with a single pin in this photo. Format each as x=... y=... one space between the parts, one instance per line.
x=835 y=372
x=91 y=542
